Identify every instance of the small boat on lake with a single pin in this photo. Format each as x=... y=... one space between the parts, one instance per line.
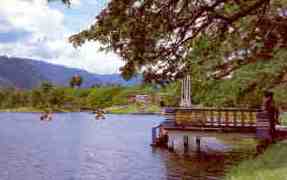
x=100 y=114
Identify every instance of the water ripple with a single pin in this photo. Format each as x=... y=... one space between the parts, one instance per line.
x=76 y=147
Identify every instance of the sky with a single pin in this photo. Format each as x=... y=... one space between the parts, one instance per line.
x=38 y=30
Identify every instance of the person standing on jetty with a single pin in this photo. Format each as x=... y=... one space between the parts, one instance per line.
x=272 y=110
x=269 y=109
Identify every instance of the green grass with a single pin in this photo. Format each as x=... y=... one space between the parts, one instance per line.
x=33 y=109
x=21 y=109
x=153 y=108
x=272 y=165
x=283 y=119
x=122 y=109
x=132 y=108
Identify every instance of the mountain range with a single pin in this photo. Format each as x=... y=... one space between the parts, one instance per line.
x=27 y=73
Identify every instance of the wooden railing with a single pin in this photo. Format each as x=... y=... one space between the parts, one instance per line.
x=216 y=117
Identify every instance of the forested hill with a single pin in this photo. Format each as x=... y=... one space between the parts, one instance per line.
x=28 y=73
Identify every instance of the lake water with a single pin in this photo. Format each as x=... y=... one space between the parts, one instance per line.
x=75 y=146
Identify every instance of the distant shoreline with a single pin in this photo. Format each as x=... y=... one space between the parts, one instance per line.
x=22 y=109
x=108 y=111
x=32 y=110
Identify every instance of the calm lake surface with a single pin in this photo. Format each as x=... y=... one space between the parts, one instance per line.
x=75 y=146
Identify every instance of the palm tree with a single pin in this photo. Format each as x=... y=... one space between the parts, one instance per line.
x=76 y=81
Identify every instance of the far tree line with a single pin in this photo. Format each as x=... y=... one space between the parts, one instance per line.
x=63 y=98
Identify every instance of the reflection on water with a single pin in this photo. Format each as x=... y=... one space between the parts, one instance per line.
x=75 y=146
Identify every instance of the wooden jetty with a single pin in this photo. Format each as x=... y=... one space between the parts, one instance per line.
x=193 y=123
x=206 y=122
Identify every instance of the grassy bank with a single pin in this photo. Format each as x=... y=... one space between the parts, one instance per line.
x=22 y=109
x=283 y=119
x=33 y=109
x=272 y=165
x=125 y=109
x=133 y=108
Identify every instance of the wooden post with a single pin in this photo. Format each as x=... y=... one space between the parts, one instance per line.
x=226 y=118
x=212 y=118
x=153 y=132
x=242 y=118
x=171 y=146
x=185 y=144
x=197 y=141
x=219 y=120
x=251 y=118
x=234 y=118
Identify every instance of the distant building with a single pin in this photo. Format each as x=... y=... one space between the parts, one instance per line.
x=140 y=98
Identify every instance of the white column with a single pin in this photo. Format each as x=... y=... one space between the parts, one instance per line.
x=186 y=92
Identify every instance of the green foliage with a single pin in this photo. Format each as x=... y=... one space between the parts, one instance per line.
x=244 y=87
x=36 y=98
x=122 y=97
x=57 y=97
x=283 y=119
x=102 y=97
x=170 y=94
x=123 y=109
x=233 y=92
x=233 y=50
x=46 y=87
x=48 y=96
x=281 y=96
x=212 y=38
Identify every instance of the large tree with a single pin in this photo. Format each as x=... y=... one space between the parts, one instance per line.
x=166 y=39
x=244 y=41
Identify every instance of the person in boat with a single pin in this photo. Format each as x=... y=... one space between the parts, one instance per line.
x=100 y=114
x=46 y=115
x=49 y=116
x=43 y=116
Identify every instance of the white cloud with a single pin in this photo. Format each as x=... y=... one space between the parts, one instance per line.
x=76 y=2
x=86 y=57
x=34 y=16
x=49 y=37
